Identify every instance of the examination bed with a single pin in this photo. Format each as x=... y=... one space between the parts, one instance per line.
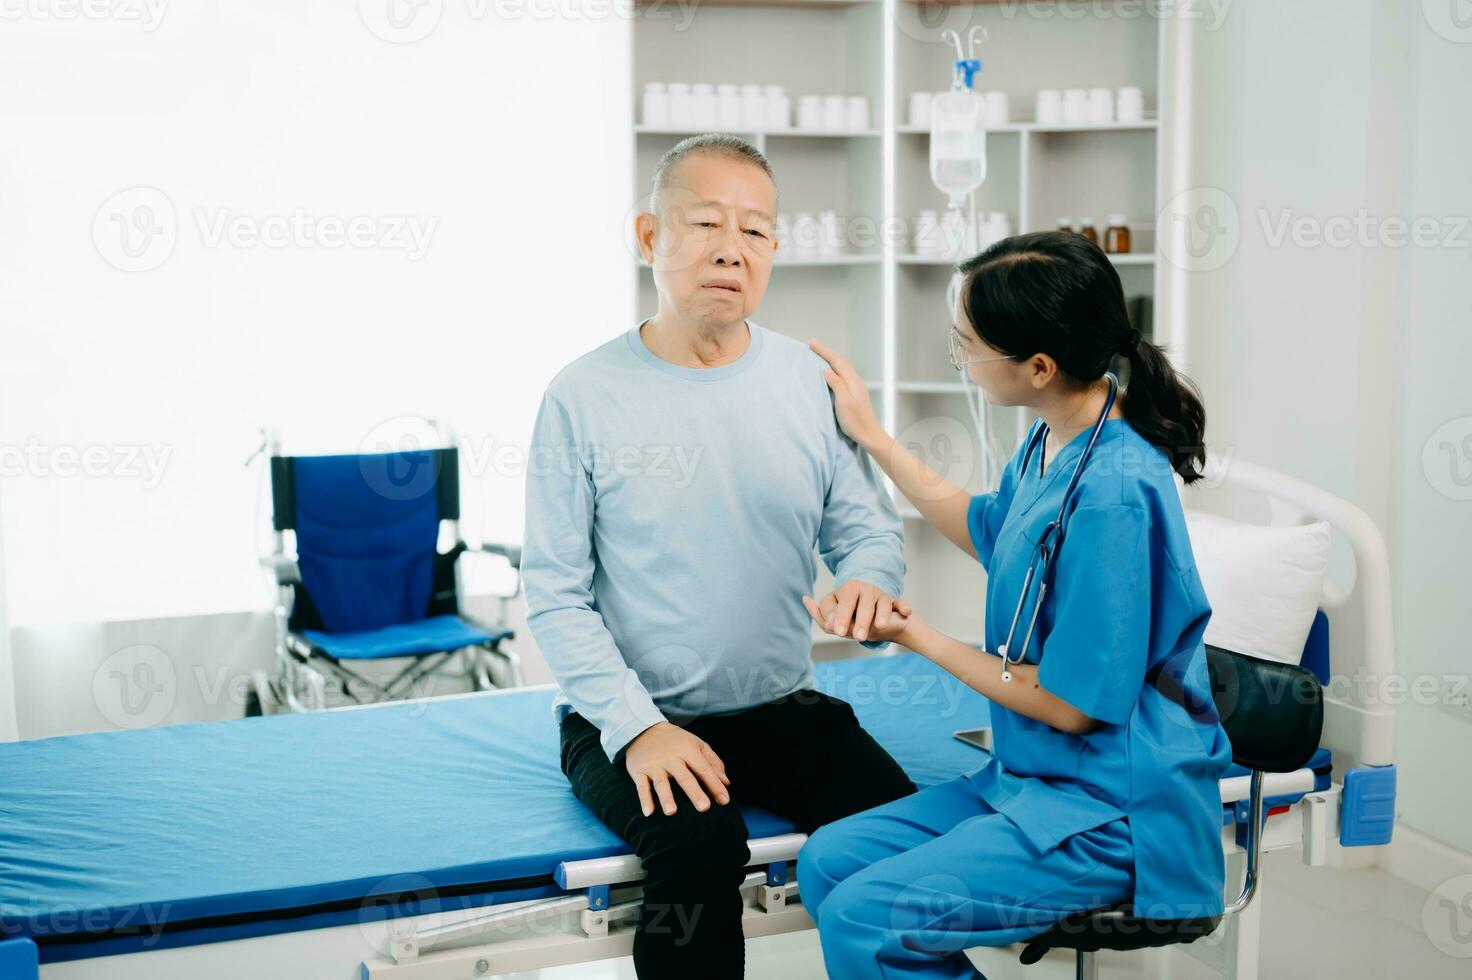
x=439 y=839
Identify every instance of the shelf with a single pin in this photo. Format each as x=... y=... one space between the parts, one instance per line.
x=817 y=261
x=1014 y=127
x=886 y=308
x=873 y=258
x=913 y=258
x=1029 y=127
x=809 y=4
x=1141 y=126
x=819 y=133
x=793 y=133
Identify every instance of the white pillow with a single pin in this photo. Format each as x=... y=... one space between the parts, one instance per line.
x=1264 y=583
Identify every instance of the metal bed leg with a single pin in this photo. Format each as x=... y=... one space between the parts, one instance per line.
x=1085 y=966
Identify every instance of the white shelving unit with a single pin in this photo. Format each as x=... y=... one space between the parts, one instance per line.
x=885 y=305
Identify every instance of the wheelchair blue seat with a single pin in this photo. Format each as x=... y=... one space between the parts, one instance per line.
x=432 y=635
x=369 y=582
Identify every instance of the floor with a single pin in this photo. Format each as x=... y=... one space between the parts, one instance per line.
x=1318 y=922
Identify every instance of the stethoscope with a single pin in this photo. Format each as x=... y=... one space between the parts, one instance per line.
x=1045 y=554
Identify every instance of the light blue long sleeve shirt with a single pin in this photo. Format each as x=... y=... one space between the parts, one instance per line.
x=671 y=519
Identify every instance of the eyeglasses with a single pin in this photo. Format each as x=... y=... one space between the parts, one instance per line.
x=958 y=352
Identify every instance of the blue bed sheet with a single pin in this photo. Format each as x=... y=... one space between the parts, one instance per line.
x=264 y=825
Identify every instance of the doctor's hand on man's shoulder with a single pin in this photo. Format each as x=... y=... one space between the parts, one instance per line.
x=665 y=753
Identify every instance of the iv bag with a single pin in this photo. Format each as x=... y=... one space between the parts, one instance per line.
x=958 y=143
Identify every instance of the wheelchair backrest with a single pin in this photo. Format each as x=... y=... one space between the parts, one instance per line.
x=367 y=530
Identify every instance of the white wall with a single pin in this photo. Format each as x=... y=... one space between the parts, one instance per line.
x=484 y=165
x=1432 y=329
x=1336 y=363
x=507 y=138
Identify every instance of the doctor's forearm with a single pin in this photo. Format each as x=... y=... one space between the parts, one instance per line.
x=939 y=501
x=982 y=672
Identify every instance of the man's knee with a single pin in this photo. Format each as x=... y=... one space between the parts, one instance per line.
x=692 y=846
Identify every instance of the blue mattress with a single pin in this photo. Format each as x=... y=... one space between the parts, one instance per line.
x=123 y=841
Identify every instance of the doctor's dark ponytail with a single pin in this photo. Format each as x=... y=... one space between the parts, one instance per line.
x=1057 y=293
x=1164 y=407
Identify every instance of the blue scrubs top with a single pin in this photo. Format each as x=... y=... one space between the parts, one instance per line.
x=1119 y=638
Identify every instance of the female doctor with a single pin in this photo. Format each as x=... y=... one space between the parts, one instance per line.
x=1103 y=786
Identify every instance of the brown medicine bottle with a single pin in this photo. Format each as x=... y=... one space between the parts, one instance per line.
x=1117 y=235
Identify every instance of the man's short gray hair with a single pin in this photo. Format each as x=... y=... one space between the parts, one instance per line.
x=715 y=144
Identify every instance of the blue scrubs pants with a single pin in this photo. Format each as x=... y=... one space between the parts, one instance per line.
x=902 y=889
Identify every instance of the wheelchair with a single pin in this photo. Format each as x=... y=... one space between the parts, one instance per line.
x=365 y=581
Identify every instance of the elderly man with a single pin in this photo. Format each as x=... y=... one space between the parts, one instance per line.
x=681 y=476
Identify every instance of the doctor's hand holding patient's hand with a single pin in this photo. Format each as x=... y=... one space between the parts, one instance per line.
x=851 y=404
x=665 y=752
x=862 y=611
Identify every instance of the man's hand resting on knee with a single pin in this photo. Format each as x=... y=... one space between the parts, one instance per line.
x=666 y=752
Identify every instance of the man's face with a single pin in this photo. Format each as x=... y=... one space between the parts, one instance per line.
x=712 y=241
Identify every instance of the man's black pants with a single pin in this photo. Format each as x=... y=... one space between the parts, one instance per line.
x=803 y=757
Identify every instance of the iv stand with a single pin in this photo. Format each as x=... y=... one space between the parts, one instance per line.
x=967 y=64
